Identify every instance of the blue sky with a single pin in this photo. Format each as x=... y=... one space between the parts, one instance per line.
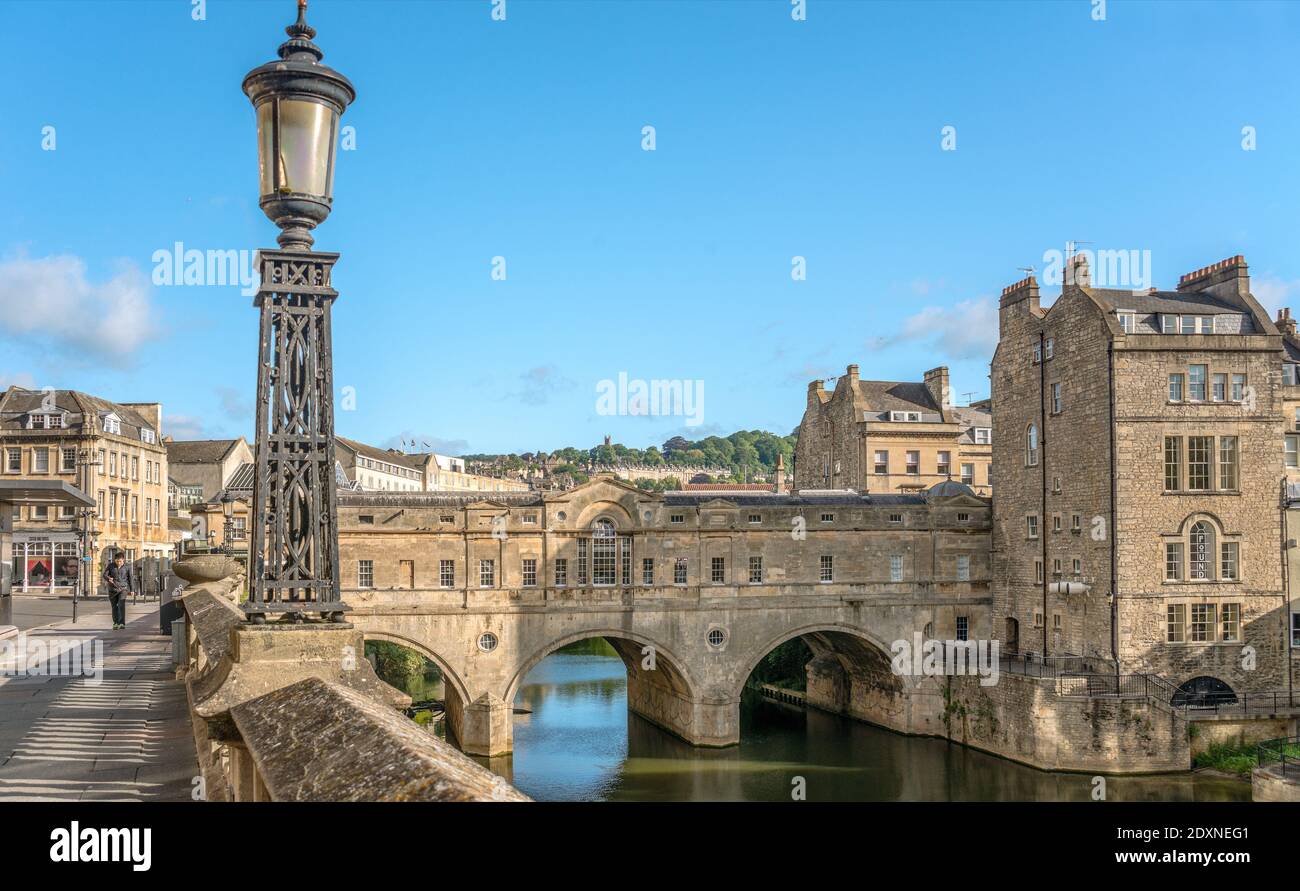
x=522 y=139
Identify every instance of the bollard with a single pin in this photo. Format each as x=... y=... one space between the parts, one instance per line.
x=179 y=640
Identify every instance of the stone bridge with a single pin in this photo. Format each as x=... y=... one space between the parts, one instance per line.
x=687 y=663
x=691 y=589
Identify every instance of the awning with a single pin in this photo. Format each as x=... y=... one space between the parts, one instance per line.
x=51 y=492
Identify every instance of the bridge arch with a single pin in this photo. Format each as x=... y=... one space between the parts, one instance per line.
x=450 y=678
x=839 y=638
x=668 y=667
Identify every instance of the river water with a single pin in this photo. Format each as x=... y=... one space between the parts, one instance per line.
x=581 y=744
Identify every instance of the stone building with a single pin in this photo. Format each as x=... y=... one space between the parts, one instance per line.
x=445 y=473
x=111 y=451
x=378 y=470
x=1140 y=464
x=891 y=437
x=201 y=468
x=607 y=534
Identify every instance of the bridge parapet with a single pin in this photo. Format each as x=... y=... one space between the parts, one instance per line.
x=295 y=712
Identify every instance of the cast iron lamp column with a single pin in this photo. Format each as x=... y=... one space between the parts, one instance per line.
x=293 y=560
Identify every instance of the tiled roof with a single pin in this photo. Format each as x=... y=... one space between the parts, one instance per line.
x=1165 y=301
x=16 y=403
x=380 y=454
x=199 y=451
x=896 y=396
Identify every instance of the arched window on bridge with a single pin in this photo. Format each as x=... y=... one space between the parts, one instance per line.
x=611 y=555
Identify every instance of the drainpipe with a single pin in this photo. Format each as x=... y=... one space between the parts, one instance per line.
x=1042 y=470
x=1286 y=595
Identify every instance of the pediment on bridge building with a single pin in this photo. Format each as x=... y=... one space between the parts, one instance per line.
x=487 y=504
x=962 y=500
x=602 y=486
x=718 y=504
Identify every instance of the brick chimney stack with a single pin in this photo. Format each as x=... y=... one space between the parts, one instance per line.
x=1024 y=291
x=1228 y=279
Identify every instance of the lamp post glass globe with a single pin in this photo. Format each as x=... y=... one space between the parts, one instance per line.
x=298 y=103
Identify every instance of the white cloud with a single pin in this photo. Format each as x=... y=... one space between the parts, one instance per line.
x=966 y=330
x=49 y=300
x=1274 y=293
x=184 y=427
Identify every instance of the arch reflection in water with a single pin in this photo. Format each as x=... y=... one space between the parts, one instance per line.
x=580 y=743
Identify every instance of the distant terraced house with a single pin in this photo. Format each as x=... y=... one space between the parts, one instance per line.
x=111 y=451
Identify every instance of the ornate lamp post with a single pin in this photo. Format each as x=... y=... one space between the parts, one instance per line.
x=227 y=510
x=293 y=539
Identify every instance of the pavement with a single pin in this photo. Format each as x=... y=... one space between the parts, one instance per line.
x=122 y=736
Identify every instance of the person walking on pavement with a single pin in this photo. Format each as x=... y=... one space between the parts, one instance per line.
x=117 y=577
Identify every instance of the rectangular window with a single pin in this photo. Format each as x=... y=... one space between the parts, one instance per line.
x=561 y=572
x=69 y=460
x=530 y=572
x=1219 y=387
x=895 y=518
x=1201 y=625
x=1228 y=462
x=112 y=464
x=828 y=518
x=365 y=573
x=1173 y=462
x=755 y=570
x=1175 y=622
x=1056 y=399
x=983 y=435
x=487 y=573
x=40 y=460
x=447 y=573
x=1230 y=619
x=944 y=465
x=135 y=468
x=135 y=506
x=530 y=519
x=963 y=627
x=1173 y=561
x=1076 y=523
x=1238 y=387
x=583 y=544
x=895 y=567
x=1199 y=449
x=1056 y=566
x=1229 y=561
x=1196 y=382
x=827 y=573
x=1127 y=321
x=1169 y=324
x=718 y=570
x=1175 y=388
x=882 y=462
x=1292 y=451
x=968 y=474
x=1056 y=522
x=1031 y=526
x=1038 y=571
x=755 y=519
x=679 y=571
x=647 y=571
x=625 y=561
x=1076 y=566
x=1295 y=629
x=914 y=462
x=13 y=460
x=40 y=512
x=677 y=518
x=963 y=567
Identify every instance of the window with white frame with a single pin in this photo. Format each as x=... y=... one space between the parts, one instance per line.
x=1176 y=387
x=881 y=465
x=487 y=573
x=1219 y=387
x=755 y=570
x=1199 y=449
x=968 y=474
x=718 y=570
x=68 y=460
x=530 y=572
x=1229 y=561
x=895 y=567
x=1031 y=446
x=983 y=435
x=112 y=425
x=1238 y=387
x=1173 y=561
x=13 y=460
x=827 y=568
x=1200 y=625
x=647 y=571
x=679 y=571
x=1196 y=375
x=561 y=572
x=40 y=460
x=1292 y=451
x=1031 y=526
x=1227 y=463
x=1175 y=622
x=365 y=573
x=943 y=465
x=913 y=463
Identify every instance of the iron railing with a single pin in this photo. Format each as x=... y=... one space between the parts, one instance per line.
x=1038 y=666
x=1284 y=752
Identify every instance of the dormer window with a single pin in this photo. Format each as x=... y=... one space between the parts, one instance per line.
x=112 y=424
x=983 y=435
x=1127 y=322
x=45 y=421
x=905 y=416
x=146 y=435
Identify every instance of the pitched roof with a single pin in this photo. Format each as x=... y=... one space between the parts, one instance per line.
x=199 y=451
x=1165 y=301
x=17 y=402
x=378 y=454
x=727 y=487
x=896 y=396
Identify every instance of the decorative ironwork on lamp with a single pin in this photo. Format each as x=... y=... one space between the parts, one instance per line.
x=293 y=531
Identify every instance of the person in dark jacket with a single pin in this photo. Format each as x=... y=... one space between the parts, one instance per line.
x=117 y=578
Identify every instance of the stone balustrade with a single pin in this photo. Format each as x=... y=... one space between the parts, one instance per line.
x=297 y=713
